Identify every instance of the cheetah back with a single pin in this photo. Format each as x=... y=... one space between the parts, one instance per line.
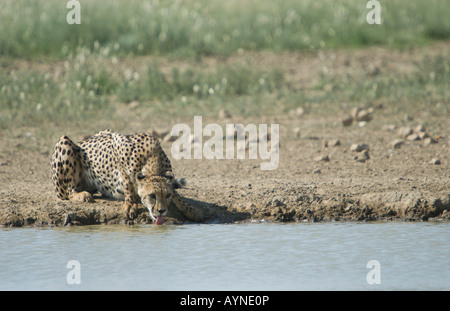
x=107 y=156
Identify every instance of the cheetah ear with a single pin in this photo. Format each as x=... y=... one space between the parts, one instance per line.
x=140 y=176
x=179 y=183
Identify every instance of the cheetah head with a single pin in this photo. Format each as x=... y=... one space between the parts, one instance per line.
x=156 y=193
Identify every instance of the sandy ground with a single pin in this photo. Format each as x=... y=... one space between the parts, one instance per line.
x=320 y=176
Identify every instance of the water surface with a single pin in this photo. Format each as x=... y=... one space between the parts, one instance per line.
x=261 y=256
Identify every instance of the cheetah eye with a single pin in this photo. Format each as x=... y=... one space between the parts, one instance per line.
x=168 y=195
x=152 y=196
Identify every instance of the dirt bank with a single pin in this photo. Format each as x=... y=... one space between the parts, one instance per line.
x=315 y=181
x=382 y=167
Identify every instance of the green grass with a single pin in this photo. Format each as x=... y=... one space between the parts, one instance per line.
x=91 y=87
x=424 y=90
x=92 y=83
x=197 y=84
x=32 y=28
x=96 y=57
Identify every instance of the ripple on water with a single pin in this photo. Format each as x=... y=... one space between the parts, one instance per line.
x=295 y=256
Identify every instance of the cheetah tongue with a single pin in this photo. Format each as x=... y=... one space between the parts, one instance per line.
x=160 y=220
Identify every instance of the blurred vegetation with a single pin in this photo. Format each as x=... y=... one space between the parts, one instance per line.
x=33 y=28
x=91 y=85
x=95 y=56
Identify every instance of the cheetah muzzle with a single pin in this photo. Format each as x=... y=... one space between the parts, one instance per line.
x=156 y=193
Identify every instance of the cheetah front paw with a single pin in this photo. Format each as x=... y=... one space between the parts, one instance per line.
x=131 y=210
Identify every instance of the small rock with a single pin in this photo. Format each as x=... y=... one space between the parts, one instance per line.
x=373 y=70
x=362 y=123
x=363 y=115
x=423 y=135
x=322 y=157
x=397 y=143
x=419 y=128
x=389 y=127
x=332 y=143
x=404 y=131
x=354 y=112
x=428 y=141
x=435 y=161
x=276 y=202
x=362 y=156
x=133 y=105
x=317 y=171
x=347 y=121
x=250 y=205
x=224 y=114
x=412 y=137
x=299 y=111
x=359 y=147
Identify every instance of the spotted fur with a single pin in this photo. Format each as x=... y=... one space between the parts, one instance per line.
x=115 y=165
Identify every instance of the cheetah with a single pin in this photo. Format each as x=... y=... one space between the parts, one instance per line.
x=132 y=168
